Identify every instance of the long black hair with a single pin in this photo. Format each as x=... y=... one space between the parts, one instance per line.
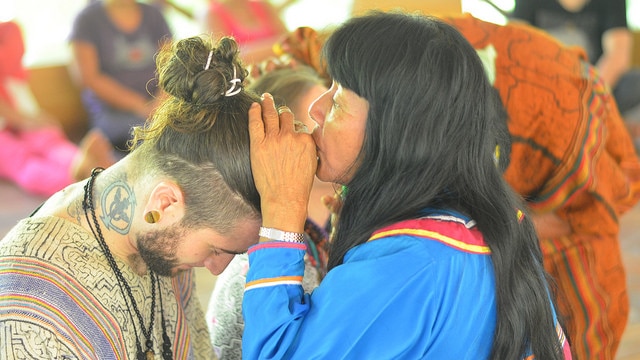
x=433 y=125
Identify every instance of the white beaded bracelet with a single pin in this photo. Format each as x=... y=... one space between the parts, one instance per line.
x=279 y=235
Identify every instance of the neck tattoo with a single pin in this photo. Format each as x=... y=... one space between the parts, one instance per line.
x=125 y=289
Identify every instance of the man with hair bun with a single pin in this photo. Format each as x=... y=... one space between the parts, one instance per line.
x=104 y=268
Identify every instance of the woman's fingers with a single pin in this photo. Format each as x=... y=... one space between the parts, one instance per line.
x=283 y=164
x=265 y=120
x=287 y=120
x=270 y=116
x=256 y=125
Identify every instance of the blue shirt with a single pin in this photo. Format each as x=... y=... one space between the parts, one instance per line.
x=421 y=288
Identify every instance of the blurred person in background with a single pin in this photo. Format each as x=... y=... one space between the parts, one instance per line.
x=114 y=43
x=35 y=153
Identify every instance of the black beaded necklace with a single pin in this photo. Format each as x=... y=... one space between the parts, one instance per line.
x=125 y=289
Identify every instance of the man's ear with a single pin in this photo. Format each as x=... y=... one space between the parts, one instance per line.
x=165 y=204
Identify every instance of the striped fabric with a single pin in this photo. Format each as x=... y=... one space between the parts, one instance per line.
x=59 y=300
x=275 y=280
x=438 y=231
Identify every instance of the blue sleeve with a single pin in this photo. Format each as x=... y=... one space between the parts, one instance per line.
x=400 y=298
x=274 y=304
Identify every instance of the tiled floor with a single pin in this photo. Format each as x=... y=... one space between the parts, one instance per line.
x=15 y=204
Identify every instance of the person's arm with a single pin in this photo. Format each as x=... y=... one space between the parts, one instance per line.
x=550 y=226
x=284 y=165
x=616 y=41
x=617 y=45
x=12 y=118
x=105 y=87
x=369 y=299
x=16 y=120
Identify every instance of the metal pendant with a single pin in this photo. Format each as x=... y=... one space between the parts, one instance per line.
x=150 y=354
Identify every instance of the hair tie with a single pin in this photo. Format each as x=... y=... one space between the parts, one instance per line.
x=233 y=89
x=343 y=191
x=206 y=67
x=496 y=155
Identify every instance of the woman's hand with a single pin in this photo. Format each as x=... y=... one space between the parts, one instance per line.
x=283 y=162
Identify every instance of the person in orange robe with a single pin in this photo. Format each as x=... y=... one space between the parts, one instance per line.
x=571 y=158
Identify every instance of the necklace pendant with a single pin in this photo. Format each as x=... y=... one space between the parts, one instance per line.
x=150 y=354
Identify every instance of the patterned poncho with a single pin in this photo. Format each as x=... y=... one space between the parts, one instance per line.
x=59 y=299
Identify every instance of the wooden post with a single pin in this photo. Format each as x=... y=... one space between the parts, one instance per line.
x=636 y=49
x=57 y=95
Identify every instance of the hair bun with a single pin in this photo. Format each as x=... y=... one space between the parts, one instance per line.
x=186 y=76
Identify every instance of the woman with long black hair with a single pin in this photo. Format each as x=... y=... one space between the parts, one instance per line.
x=433 y=255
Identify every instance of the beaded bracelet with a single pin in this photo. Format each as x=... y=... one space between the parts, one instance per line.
x=279 y=235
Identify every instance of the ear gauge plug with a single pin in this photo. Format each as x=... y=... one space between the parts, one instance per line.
x=152 y=217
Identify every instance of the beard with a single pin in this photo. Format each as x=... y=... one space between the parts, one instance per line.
x=158 y=248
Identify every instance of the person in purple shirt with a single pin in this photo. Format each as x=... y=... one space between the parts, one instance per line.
x=114 y=43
